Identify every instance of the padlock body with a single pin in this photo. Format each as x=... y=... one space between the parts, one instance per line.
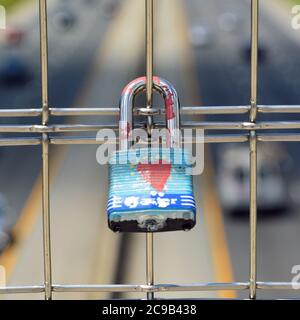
x=151 y=190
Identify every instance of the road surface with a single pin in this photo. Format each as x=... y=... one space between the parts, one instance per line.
x=224 y=80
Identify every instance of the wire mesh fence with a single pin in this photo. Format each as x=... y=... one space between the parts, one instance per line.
x=251 y=131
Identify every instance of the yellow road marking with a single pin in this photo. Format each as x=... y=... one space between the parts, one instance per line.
x=211 y=205
x=216 y=231
x=28 y=217
x=21 y=230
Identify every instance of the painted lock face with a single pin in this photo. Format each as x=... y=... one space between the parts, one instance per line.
x=150 y=188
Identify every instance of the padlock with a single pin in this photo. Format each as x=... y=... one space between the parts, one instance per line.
x=147 y=195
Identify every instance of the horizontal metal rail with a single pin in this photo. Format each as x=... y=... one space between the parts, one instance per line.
x=114 y=111
x=152 y=288
x=84 y=111
x=213 y=125
x=195 y=287
x=10 y=142
x=277 y=285
x=210 y=138
x=20 y=112
x=22 y=289
x=279 y=137
x=92 y=140
x=263 y=125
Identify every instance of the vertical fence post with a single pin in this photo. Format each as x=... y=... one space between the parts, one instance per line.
x=45 y=150
x=253 y=147
x=149 y=97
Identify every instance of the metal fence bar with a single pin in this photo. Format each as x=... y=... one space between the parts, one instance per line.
x=19 y=142
x=207 y=110
x=149 y=97
x=225 y=138
x=195 y=287
x=277 y=285
x=209 y=138
x=253 y=213
x=84 y=111
x=45 y=150
x=224 y=125
x=292 y=137
x=278 y=109
x=254 y=58
x=253 y=148
x=185 y=110
x=22 y=289
x=55 y=128
x=216 y=126
x=221 y=125
x=20 y=112
x=153 y=288
x=92 y=141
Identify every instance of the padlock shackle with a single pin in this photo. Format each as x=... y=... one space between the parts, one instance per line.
x=172 y=106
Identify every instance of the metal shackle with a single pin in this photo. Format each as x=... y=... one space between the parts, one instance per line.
x=172 y=111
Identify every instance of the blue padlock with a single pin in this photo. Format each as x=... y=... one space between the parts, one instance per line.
x=151 y=189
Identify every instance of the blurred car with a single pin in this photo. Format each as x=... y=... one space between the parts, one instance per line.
x=14 y=71
x=109 y=7
x=14 y=35
x=5 y=224
x=90 y=2
x=233 y=178
x=199 y=36
x=246 y=53
x=228 y=21
x=65 y=18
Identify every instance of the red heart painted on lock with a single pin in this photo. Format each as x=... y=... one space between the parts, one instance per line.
x=157 y=174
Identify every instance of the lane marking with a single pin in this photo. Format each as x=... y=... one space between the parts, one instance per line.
x=211 y=205
x=29 y=215
x=216 y=230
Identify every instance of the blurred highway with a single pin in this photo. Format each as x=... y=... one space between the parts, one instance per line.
x=224 y=80
x=202 y=48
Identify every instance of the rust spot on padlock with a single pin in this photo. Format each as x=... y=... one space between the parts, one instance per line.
x=124 y=130
x=169 y=105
